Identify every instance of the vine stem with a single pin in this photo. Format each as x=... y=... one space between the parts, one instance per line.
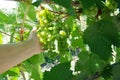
x=21 y=35
x=23 y=23
x=22 y=73
x=25 y=15
x=8 y=35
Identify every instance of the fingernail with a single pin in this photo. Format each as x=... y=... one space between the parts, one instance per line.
x=34 y=29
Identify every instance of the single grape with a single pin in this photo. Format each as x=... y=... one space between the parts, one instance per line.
x=63 y=33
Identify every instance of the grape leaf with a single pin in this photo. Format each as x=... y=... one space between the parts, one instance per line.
x=116 y=72
x=3 y=17
x=32 y=65
x=32 y=13
x=76 y=40
x=67 y=57
x=107 y=72
x=110 y=32
x=34 y=69
x=2 y=27
x=35 y=73
x=118 y=3
x=1 y=77
x=13 y=72
x=37 y=59
x=88 y=64
x=66 y=4
x=116 y=20
x=87 y=3
x=100 y=4
x=37 y=3
x=100 y=36
x=118 y=54
x=69 y=22
x=27 y=65
x=11 y=18
x=59 y=72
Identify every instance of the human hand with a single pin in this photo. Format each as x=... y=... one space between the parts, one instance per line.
x=35 y=41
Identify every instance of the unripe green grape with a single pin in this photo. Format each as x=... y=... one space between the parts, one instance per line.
x=50 y=28
x=42 y=33
x=42 y=13
x=45 y=21
x=63 y=33
x=49 y=35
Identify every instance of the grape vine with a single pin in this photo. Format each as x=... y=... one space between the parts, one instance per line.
x=81 y=39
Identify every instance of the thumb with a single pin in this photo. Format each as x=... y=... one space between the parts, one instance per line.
x=34 y=29
x=33 y=33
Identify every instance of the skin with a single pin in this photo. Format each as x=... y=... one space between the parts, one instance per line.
x=13 y=54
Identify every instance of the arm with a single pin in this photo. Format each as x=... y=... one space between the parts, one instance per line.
x=13 y=54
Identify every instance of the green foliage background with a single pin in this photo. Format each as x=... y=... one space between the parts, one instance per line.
x=86 y=30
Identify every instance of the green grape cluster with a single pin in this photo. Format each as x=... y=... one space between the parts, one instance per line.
x=53 y=33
